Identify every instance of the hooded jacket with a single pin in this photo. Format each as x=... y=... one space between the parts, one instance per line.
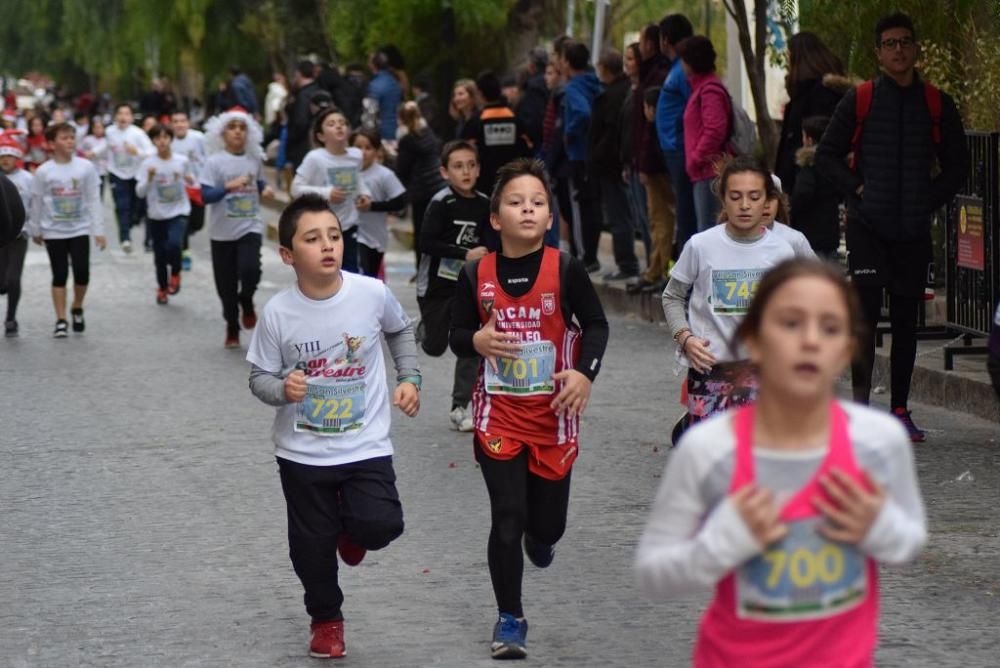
x=645 y=145
x=605 y=129
x=578 y=103
x=815 y=97
x=531 y=109
x=815 y=204
x=706 y=126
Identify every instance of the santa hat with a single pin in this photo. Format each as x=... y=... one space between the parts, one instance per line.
x=9 y=115
x=215 y=125
x=9 y=146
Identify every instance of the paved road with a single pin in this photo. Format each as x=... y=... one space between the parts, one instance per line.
x=143 y=524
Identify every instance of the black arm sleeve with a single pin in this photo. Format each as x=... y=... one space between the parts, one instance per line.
x=394 y=204
x=953 y=155
x=585 y=307
x=405 y=160
x=464 y=312
x=434 y=239
x=834 y=147
x=11 y=211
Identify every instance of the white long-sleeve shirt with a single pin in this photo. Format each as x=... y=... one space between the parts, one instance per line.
x=166 y=193
x=66 y=200
x=695 y=536
x=322 y=171
x=121 y=163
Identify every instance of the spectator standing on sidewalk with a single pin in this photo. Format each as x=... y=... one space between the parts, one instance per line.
x=464 y=105
x=534 y=96
x=384 y=96
x=299 y=115
x=418 y=162
x=606 y=165
x=496 y=132
x=243 y=91
x=904 y=172
x=636 y=191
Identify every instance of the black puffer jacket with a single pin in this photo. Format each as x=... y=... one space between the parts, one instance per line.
x=605 y=129
x=11 y=211
x=815 y=97
x=815 y=204
x=897 y=160
x=418 y=159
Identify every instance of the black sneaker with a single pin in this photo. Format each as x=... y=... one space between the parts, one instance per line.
x=540 y=554
x=76 y=315
x=10 y=329
x=593 y=267
x=638 y=286
x=656 y=287
x=619 y=276
x=62 y=329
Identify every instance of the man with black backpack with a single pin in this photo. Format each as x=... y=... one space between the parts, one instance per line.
x=908 y=159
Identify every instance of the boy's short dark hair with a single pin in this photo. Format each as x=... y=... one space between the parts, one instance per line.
x=456 y=145
x=489 y=86
x=306 y=69
x=674 y=28
x=651 y=96
x=125 y=105
x=698 y=53
x=160 y=129
x=815 y=126
x=179 y=112
x=560 y=43
x=54 y=130
x=577 y=55
x=611 y=60
x=651 y=33
x=80 y=114
x=897 y=20
x=321 y=115
x=514 y=169
x=289 y=220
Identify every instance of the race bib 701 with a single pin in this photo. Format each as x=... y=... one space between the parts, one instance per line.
x=527 y=374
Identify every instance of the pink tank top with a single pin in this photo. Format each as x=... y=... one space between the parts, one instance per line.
x=806 y=601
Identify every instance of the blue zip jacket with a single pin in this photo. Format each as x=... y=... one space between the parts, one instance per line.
x=670 y=108
x=385 y=90
x=577 y=104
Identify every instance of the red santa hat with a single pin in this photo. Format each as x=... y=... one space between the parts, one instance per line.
x=9 y=146
x=9 y=115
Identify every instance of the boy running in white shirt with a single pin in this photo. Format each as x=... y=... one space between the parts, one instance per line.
x=191 y=144
x=12 y=255
x=128 y=146
x=66 y=211
x=163 y=179
x=387 y=195
x=316 y=355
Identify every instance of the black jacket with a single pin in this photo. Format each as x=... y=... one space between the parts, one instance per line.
x=499 y=138
x=897 y=160
x=531 y=109
x=300 y=123
x=812 y=98
x=11 y=211
x=605 y=129
x=418 y=158
x=815 y=204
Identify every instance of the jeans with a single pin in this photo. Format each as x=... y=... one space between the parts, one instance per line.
x=167 y=236
x=585 y=219
x=350 y=261
x=126 y=206
x=618 y=216
x=236 y=265
x=706 y=204
x=686 y=218
x=637 y=205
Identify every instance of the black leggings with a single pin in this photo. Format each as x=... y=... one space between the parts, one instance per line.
x=11 y=266
x=419 y=208
x=520 y=502
x=370 y=260
x=236 y=265
x=62 y=253
x=903 y=327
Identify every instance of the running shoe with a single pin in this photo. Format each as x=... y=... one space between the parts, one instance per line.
x=161 y=297
x=10 y=329
x=76 y=315
x=186 y=260
x=619 y=276
x=175 y=284
x=916 y=434
x=656 y=287
x=327 y=640
x=127 y=247
x=638 y=286
x=249 y=317
x=350 y=553
x=232 y=336
x=539 y=554
x=460 y=419
x=62 y=329
x=594 y=267
x=510 y=637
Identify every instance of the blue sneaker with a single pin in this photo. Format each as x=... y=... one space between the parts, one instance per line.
x=186 y=261
x=540 y=554
x=510 y=636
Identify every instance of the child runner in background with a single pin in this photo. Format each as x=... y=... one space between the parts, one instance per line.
x=66 y=211
x=232 y=182
x=334 y=172
x=37 y=146
x=815 y=200
x=190 y=143
x=12 y=255
x=517 y=311
x=714 y=280
x=317 y=357
x=387 y=195
x=128 y=146
x=786 y=506
x=776 y=211
x=94 y=147
x=450 y=236
x=163 y=180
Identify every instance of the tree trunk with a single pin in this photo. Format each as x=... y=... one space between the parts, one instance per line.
x=754 y=59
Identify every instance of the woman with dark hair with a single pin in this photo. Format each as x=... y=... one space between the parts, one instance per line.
x=815 y=83
x=418 y=160
x=707 y=125
x=636 y=192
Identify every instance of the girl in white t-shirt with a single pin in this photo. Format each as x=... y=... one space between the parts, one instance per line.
x=387 y=195
x=94 y=147
x=712 y=285
x=787 y=506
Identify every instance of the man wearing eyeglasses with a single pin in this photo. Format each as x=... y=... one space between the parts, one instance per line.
x=907 y=158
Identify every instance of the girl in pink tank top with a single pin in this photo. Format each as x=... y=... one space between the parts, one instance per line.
x=794 y=567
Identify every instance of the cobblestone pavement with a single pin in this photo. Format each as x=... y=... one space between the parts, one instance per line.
x=143 y=523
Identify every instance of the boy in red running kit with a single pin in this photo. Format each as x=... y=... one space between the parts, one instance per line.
x=516 y=309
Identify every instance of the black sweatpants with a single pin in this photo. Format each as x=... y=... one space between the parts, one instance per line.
x=236 y=265
x=520 y=502
x=435 y=321
x=359 y=498
x=11 y=267
x=195 y=222
x=903 y=325
x=63 y=252
x=370 y=260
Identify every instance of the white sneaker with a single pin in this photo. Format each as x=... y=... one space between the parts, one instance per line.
x=460 y=419
x=127 y=246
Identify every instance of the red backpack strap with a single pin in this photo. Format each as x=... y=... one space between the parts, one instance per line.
x=862 y=107
x=933 y=96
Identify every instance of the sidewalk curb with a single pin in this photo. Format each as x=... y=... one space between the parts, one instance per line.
x=948 y=390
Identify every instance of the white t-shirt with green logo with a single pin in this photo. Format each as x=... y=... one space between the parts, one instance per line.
x=166 y=194
x=321 y=171
x=238 y=214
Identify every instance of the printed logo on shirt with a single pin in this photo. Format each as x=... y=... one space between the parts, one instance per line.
x=548 y=303
x=67 y=201
x=487 y=305
x=495 y=444
x=168 y=188
x=499 y=134
x=467 y=235
x=354 y=344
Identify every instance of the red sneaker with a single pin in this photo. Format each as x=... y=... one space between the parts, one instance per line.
x=232 y=337
x=351 y=554
x=174 y=286
x=327 y=640
x=161 y=297
x=249 y=318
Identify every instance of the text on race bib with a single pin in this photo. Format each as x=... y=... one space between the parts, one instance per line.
x=345 y=178
x=527 y=374
x=733 y=290
x=331 y=410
